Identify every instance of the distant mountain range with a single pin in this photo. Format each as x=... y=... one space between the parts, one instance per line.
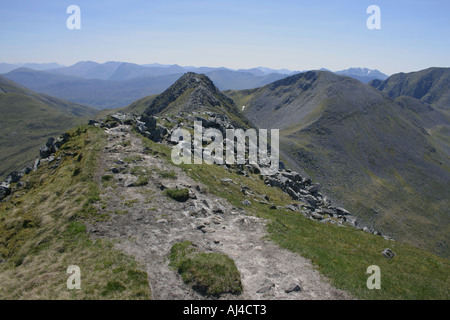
x=116 y=84
x=7 y=67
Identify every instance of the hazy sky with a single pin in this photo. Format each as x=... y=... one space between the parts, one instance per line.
x=294 y=34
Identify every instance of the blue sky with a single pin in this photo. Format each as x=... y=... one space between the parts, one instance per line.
x=293 y=34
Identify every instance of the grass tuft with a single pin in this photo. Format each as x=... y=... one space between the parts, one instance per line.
x=180 y=195
x=208 y=273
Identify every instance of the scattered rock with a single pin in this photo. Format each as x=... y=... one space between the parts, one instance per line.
x=14 y=177
x=130 y=181
x=255 y=169
x=388 y=253
x=342 y=211
x=291 y=207
x=317 y=216
x=36 y=164
x=207 y=230
x=265 y=286
x=115 y=170
x=218 y=208
x=4 y=192
x=51 y=144
x=314 y=188
x=291 y=284
x=246 y=202
x=44 y=152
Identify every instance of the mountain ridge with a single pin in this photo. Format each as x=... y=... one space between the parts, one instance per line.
x=347 y=135
x=429 y=85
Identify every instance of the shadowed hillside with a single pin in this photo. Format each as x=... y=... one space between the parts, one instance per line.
x=28 y=119
x=387 y=161
x=429 y=85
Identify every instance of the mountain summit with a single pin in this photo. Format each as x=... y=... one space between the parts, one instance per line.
x=194 y=92
x=364 y=75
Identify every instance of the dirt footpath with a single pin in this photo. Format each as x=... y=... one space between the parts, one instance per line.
x=147 y=223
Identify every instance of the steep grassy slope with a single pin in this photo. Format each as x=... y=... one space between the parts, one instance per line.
x=430 y=85
x=27 y=120
x=42 y=232
x=387 y=162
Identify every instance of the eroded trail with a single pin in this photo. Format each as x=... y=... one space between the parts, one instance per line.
x=147 y=223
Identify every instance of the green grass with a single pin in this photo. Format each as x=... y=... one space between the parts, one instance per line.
x=141 y=181
x=209 y=273
x=142 y=174
x=340 y=253
x=180 y=195
x=132 y=159
x=126 y=143
x=42 y=232
x=168 y=174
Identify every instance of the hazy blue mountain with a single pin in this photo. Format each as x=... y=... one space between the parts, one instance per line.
x=89 y=70
x=96 y=93
x=129 y=71
x=364 y=75
x=7 y=67
x=269 y=70
x=137 y=82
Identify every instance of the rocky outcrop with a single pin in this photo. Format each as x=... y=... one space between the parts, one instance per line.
x=4 y=191
x=388 y=253
x=45 y=155
x=308 y=200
